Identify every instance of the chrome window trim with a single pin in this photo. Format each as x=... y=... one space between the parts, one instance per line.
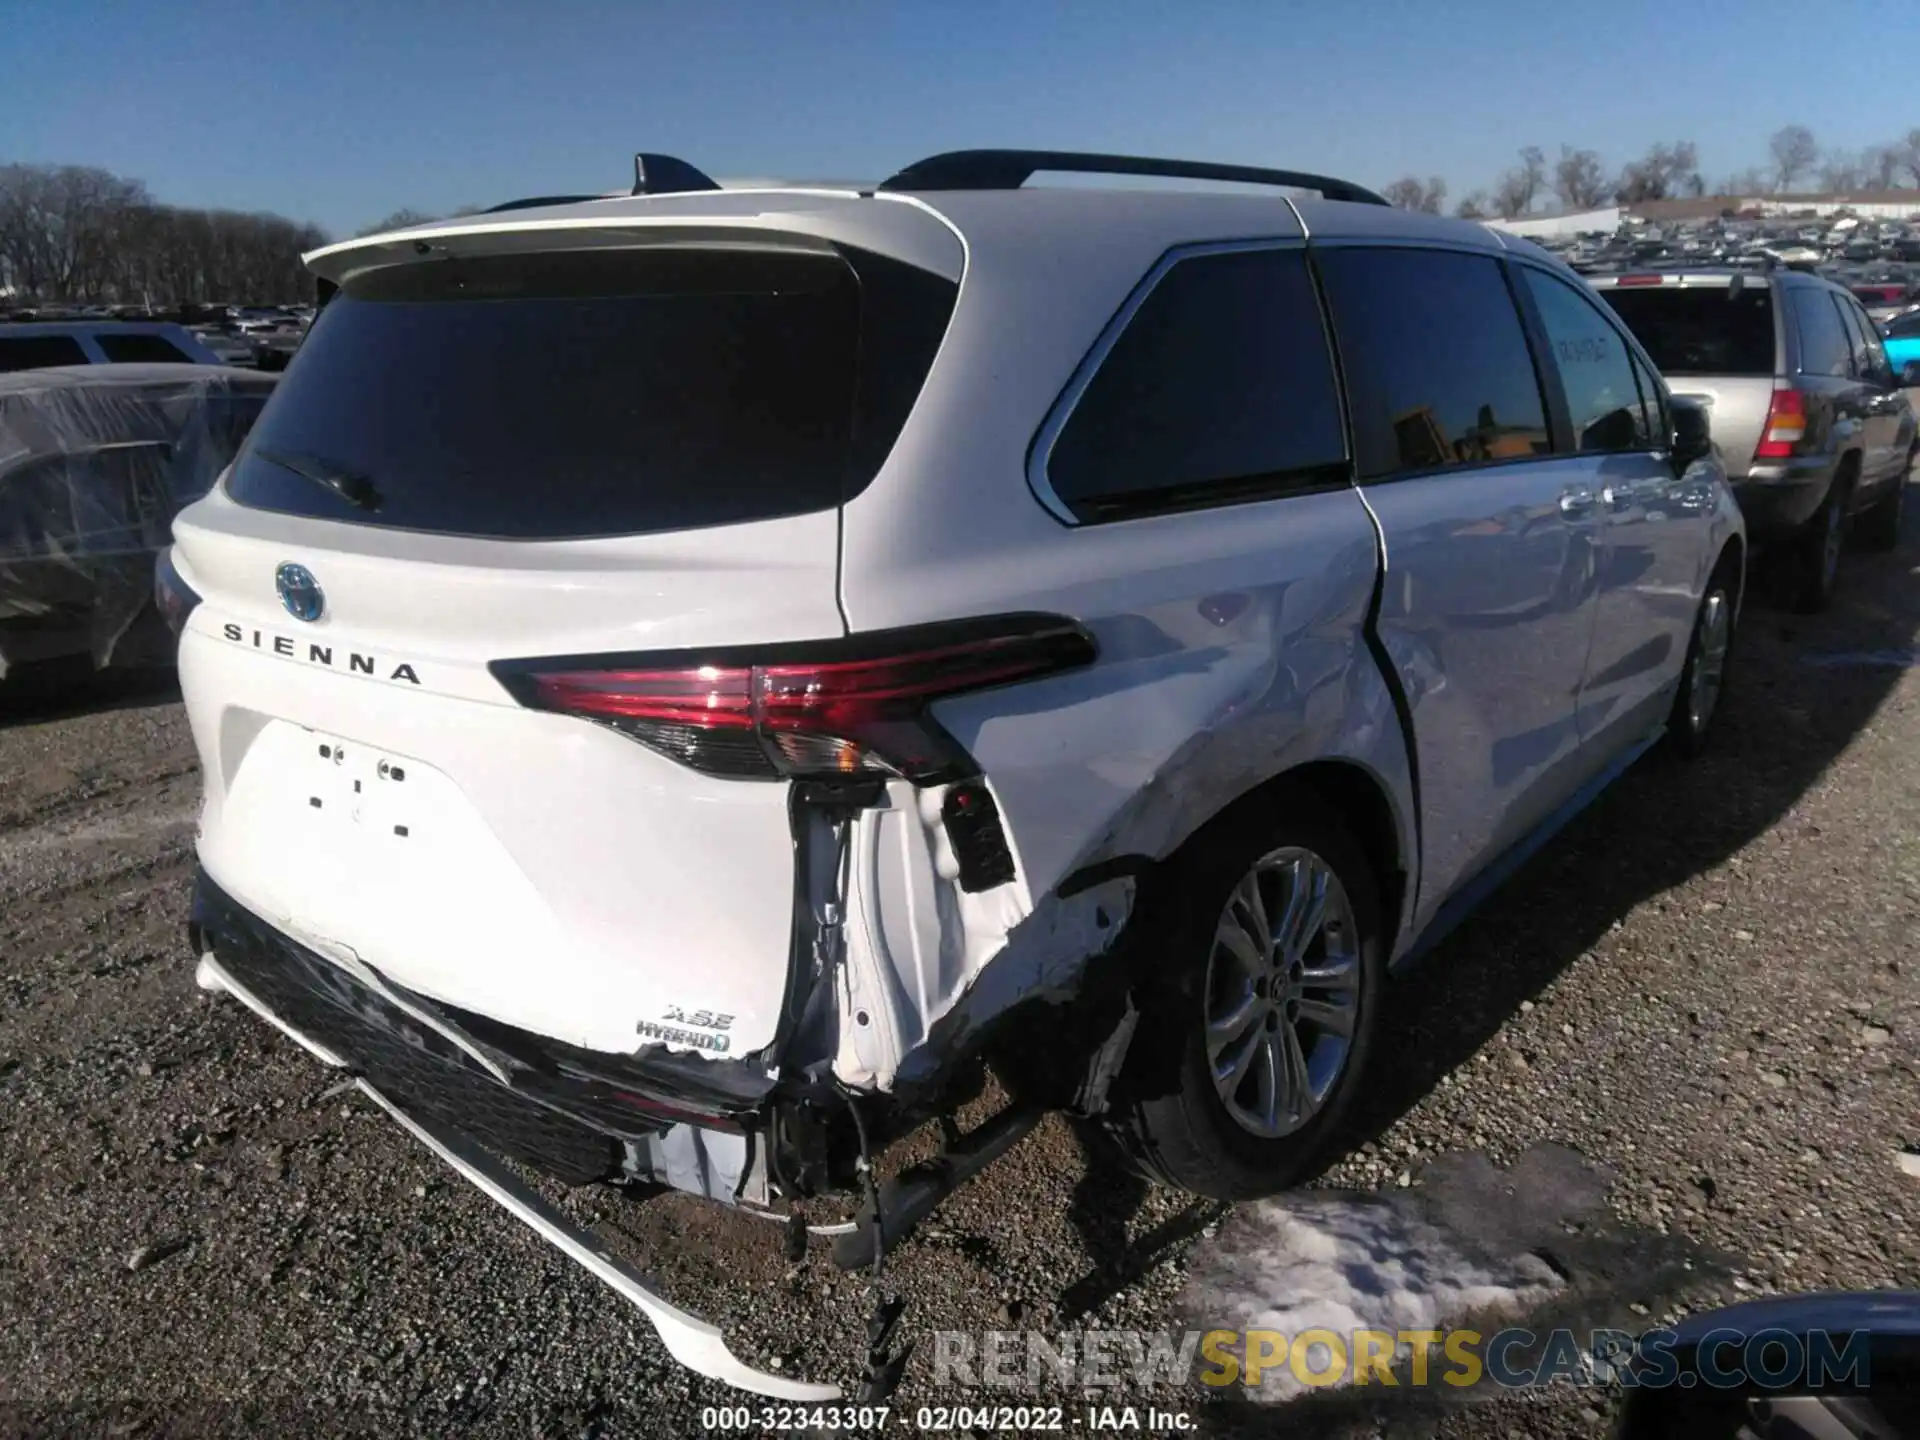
x=1040 y=452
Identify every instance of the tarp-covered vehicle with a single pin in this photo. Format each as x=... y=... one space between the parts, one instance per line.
x=95 y=461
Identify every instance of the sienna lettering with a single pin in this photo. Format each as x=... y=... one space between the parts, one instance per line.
x=357 y=663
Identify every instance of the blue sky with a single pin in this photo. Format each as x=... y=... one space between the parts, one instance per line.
x=342 y=112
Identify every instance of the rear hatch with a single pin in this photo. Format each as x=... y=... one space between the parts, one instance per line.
x=484 y=459
x=1712 y=340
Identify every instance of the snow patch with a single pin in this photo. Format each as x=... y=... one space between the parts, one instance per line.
x=1307 y=1262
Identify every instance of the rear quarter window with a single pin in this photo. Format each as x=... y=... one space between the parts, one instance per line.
x=1219 y=389
x=35 y=352
x=1825 y=346
x=619 y=392
x=139 y=347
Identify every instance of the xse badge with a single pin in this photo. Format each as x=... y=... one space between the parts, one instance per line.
x=315 y=653
x=672 y=1029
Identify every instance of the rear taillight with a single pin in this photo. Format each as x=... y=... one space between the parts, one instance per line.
x=172 y=596
x=1640 y=280
x=853 y=707
x=1786 y=426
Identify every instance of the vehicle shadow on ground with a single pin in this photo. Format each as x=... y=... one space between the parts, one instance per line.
x=1802 y=689
x=36 y=695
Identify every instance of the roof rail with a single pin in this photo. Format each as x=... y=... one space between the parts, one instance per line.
x=1010 y=169
x=534 y=200
x=667 y=175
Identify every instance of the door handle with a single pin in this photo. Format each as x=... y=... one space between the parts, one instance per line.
x=1578 y=501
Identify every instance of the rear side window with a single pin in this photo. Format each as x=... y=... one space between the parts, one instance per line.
x=32 y=352
x=1700 y=330
x=135 y=348
x=1438 y=370
x=1825 y=346
x=1904 y=327
x=610 y=392
x=1605 y=401
x=1870 y=360
x=1606 y=398
x=1219 y=388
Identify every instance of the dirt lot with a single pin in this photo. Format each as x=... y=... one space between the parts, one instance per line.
x=1705 y=987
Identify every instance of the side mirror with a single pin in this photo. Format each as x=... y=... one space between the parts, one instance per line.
x=1910 y=373
x=1692 y=432
x=1802 y=1366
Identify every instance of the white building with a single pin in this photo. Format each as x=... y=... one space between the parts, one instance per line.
x=1580 y=222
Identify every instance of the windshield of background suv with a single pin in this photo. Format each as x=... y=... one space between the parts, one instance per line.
x=1700 y=330
x=597 y=393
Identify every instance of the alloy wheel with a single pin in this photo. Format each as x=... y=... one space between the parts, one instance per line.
x=1710 y=659
x=1283 y=992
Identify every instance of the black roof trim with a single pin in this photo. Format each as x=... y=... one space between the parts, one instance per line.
x=537 y=200
x=1010 y=169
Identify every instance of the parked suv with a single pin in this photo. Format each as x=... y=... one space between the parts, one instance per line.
x=1816 y=431
x=683 y=679
x=43 y=344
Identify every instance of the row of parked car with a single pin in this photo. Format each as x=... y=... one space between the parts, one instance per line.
x=1746 y=243
x=255 y=338
x=682 y=680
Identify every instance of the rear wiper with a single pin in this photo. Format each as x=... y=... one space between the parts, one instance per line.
x=356 y=490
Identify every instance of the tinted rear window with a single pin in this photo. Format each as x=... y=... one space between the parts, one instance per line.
x=599 y=393
x=1700 y=331
x=138 y=346
x=31 y=352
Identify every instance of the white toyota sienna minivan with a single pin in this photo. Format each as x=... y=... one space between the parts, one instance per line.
x=689 y=682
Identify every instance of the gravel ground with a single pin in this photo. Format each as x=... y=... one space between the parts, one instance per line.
x=1704 y=988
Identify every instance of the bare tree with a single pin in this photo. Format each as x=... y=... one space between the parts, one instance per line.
x=1514 y=192
x=1476 y=206
x=1841 y=170
x=402 y=219
x=1412 y=193
x=1880 y=166
x=1746 y=182
x=1794 y=152
x=1910 y=155
x=70 y=232
x=1578 y=179
x=1664 y=172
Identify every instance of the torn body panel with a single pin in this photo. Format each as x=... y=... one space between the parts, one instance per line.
x=1241 y=657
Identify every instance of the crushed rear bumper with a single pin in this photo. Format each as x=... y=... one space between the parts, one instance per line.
x=695 y=1343
x=562 y=1110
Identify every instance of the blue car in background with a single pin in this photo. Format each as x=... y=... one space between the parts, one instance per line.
x=1901 y=333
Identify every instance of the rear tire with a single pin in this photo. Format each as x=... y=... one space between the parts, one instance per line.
x=1220 y=1004
x=1880 y=526
x=1710 y=647
x=1817 y=548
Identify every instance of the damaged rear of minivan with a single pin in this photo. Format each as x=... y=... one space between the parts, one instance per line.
x=692 y=686
x=532 y=731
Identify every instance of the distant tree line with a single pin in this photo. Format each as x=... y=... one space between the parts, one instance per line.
x=1582 y=180
x=79 y=233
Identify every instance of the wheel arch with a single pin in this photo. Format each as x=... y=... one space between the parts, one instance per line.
x=1353 y=792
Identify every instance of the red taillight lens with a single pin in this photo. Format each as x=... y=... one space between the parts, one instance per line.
x=858 y=706
x=172 y=596
x=1786 y=426
x=1640 y=280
